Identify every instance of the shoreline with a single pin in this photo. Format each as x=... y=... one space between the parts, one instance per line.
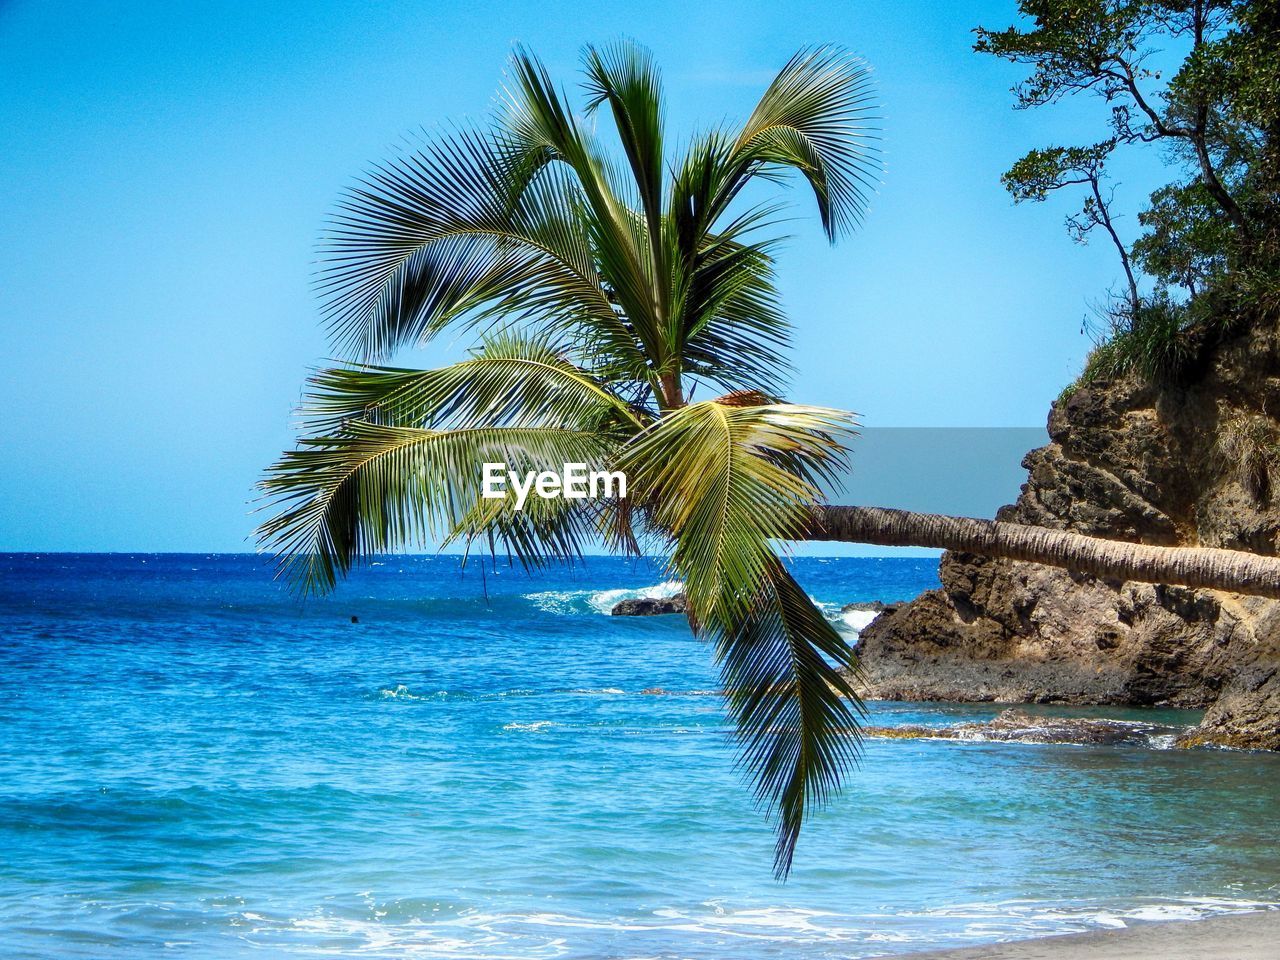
x=1246 y=936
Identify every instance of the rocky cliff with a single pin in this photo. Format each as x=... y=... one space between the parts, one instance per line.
x=1175 y=464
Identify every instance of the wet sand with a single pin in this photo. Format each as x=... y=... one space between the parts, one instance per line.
x=1251 y=936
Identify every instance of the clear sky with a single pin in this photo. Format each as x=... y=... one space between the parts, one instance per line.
x=167 y=168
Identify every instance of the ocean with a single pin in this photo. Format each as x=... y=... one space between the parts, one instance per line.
x=195 y=764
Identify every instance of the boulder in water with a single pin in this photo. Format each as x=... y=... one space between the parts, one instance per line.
x=650 y=606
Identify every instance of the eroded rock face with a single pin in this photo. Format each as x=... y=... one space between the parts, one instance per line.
x=1133 y=462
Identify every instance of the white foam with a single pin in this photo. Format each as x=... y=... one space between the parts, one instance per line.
x=1032 y=915
x=483 y=935
x=857 y=620
x=850 y=622
x=578 y=602
x=536 y=726
x=398 y=692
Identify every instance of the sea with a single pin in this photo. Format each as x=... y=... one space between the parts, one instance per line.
x=438 y=761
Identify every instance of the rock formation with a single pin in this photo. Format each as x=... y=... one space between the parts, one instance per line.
x=1018 y=726
x=649 y=606
x=1174 y=464
x=866 y=606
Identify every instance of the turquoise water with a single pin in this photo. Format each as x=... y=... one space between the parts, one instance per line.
x=194 y=765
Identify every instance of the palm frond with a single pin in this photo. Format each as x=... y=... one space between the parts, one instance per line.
x=787 y=673
x=545 y=531
x=440 y=232
x=698 y=182
x=372 y=488
x=733 y=475
x=726 y=478
x=510 y=380
x=625 y=77
x=736 y=332
x=542 y=129
x=816 y=117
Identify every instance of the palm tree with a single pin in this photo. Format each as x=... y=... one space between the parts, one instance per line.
x=602 y=292
x=1207 y=567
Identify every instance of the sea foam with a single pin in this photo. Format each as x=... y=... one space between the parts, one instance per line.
x=581 y=602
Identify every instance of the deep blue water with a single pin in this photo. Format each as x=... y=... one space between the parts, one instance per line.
x=193 y=764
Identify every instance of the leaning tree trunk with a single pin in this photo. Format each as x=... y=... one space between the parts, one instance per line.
x=1216 y=569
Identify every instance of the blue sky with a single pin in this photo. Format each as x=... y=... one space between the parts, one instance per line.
x=167 y=169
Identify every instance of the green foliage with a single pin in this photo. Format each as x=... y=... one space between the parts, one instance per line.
x=1042 y=171
x=1159 y=341
x=603 y=288
x=1216 y=115
x=1253 y=294
x=1068 y=391
x=727 y=480
x=1238 y=70
x=1187 y=238
x=1074 y=46
x=1165 y=345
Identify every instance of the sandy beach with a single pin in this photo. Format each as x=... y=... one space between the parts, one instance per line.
x=1252 y=936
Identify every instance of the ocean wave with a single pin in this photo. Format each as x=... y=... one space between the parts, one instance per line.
x=580 y=602
x=849 y=622
x=857 y=620
x=433 y=929
x=1090 y=914
x=587 y=602
x=609 y=728
x=404 y=692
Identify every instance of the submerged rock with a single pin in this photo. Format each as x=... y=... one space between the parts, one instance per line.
x=1019 y=726
x=865 y=606
x=1131 y=461
x=650 y=606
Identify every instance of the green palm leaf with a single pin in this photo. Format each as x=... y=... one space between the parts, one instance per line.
x=441 y=233
x=735 y=331
x=545 y=531
x=816 y=118
x=543 y=131
x=511 y=380
x=374 y=488
x=725 y=478
x=625 y=77
x=787 y=674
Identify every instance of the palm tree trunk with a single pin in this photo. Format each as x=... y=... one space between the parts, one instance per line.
x=1208 y=567
x=672 y=395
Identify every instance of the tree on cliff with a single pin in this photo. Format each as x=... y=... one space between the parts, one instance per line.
x=602 y=289
x=1215 y=115
x=1041 y=172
